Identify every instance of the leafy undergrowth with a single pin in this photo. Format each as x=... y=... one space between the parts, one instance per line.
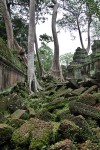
x=60 y=117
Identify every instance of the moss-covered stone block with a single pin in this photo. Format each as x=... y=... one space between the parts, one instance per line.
x=68 y=129
x=20 y=114
x=79 y=90
x=15 y=102
x=63 y=145
x=84 y=110
x=21 y=135
x=64 y=92
x=88 y=99
x=63 y=114
x=42 y=135
x=55 y=104
x=35 y=132
x=45 y=115
x=5 y=133
x=85 y=131
x=92 y=89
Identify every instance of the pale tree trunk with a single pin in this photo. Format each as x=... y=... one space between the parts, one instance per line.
x=56 y=69
x=31 y=39
x=38 y=58
x=88 y=34
x=80 y=35
x=8 y=23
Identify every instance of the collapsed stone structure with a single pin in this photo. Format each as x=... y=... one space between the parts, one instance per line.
x=85 y=66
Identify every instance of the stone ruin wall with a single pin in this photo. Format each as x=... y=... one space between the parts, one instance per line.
x=85 y=66
x=9 y=74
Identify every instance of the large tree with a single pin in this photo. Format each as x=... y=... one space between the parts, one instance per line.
x=32 y=80
x=8 y=24
x=11 y=41
x=77 y=16
x=56 y=69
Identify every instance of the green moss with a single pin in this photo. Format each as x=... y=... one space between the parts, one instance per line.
x=63 y=145
x=44 y=115
x=41 y=136
x=21 y=135
x=42 y=142
x=34 y=132
x=56 y=104
x=63 y=114
x=88 y=99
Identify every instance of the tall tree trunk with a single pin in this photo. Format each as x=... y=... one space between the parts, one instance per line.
x=88 y=46
x=31 y=39
x=12 y=43
x=80 y=35
x=8 y=24
x=89 y=40
x=56 y=70
x=39 y=61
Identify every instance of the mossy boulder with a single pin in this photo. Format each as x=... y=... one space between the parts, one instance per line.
x=88 y=99
x=85 y=131
x=35 y=132
x=15 y=102
x=63 y=145
x=5 y=133
x=63 y=114
x=78 y=108
x=55 y=104
x=88 y=145
x=45 y=115
x=11 y=103
x=65 y=92
x=68 y=129
x=79 y=90
x=20 y=114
